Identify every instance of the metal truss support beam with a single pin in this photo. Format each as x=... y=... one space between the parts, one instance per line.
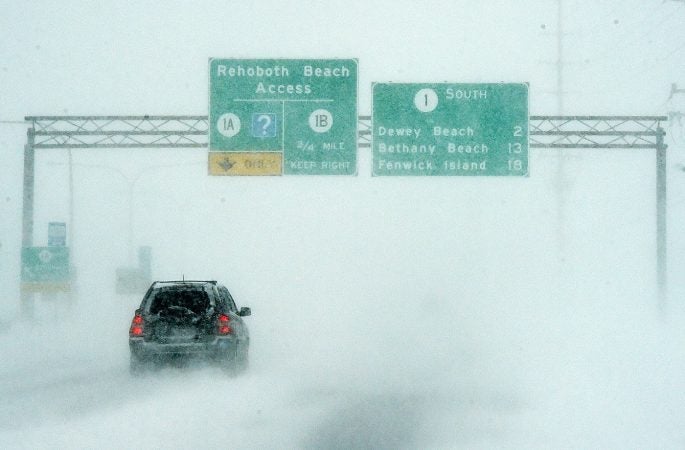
x=545 y=132
x=594 y=131
x=192 y=131
x=615 y=132
x=120 y=131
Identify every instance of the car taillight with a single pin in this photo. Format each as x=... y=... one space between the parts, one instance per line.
x=136 y=329
x=223 y=328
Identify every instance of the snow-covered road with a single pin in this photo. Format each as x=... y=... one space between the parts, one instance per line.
x=606 y=386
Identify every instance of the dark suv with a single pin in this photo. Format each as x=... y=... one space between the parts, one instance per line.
x=188 y=319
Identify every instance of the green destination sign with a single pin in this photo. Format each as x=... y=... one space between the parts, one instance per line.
x=283 y=116
x=450 y=129
x=45 y=264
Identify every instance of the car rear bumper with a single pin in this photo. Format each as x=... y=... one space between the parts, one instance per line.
x=219 y=347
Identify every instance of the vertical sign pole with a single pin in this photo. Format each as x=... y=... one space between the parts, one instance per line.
x=70 y=241
x=27 y=299
x=661 y=273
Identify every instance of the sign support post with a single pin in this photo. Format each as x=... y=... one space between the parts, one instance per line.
x=27 y=298
x=661 y=223
x=545 y=132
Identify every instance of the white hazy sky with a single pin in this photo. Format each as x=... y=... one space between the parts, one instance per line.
x=151 y=57
x=388 y=312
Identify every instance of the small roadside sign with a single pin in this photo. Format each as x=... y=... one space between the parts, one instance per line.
x=57 y=234
x=45 y=268
x=131 y=280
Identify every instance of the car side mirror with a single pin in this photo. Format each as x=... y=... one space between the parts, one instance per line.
x=245 y=311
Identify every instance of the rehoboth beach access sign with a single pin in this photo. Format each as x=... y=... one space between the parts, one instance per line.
x=450 y=129
x=282 y=116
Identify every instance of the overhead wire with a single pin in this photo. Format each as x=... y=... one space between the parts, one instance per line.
x=600 y=20
x=14 y=122
x=679 y=47
x=615 y=52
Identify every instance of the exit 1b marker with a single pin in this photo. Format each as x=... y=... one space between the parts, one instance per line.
x=320 y=121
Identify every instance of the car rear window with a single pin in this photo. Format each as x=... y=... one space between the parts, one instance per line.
x=193 y=299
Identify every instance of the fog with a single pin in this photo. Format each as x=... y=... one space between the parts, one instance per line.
x=388 y=312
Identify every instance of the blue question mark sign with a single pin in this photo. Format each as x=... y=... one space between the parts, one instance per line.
x=263 y=125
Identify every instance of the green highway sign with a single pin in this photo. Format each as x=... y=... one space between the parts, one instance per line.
x=450 y=129
x=45 y=264
x=283 y=116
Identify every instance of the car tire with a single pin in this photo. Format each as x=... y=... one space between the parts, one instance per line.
x=228 y=362
x=138 y=367
x=242 y=361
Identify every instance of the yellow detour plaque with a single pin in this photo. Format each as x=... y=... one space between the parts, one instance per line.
x=245 y=163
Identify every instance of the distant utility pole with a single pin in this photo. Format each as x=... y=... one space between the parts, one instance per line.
x=674 y=88
x=560 y=57
x=561 y=172
x=672 y=116
x=675 y=115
